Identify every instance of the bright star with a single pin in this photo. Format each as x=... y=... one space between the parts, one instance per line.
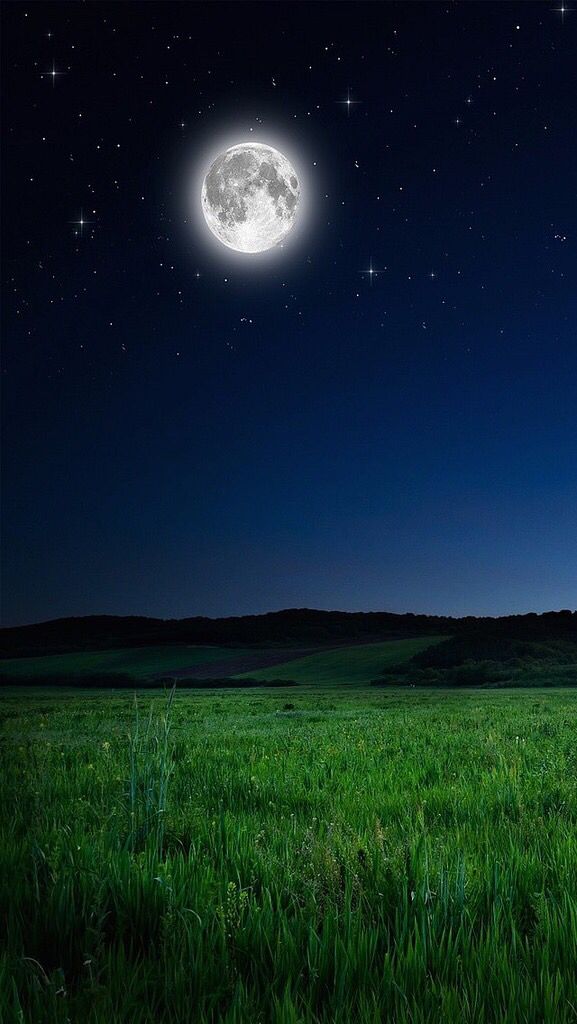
x=348 y=103
x=53 y=74
x=81 y=223
x=563 y=10
x=370 y=272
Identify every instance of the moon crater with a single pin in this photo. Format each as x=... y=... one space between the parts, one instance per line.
x=250 y=197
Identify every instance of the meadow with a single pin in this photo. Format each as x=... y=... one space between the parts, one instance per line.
x=328 y=854
x=347 y=665
x=355 y=664
x=138 y=662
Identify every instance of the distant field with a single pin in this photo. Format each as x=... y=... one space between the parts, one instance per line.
x=139 y=662
x=324 y=855
x=357 y=664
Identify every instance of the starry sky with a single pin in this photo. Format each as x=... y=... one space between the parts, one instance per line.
x=187 y=432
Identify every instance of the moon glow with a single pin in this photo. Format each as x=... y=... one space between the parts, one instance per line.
x=250 y=196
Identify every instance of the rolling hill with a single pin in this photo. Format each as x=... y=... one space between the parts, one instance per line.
x=356 y=665
x=137 y=662
x=303 y=627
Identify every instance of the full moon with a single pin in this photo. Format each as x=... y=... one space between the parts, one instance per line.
x=250 y=197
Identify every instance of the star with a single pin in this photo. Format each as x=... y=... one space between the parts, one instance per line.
x=81 y=223
x=563 y=10
x=53 y=74
x=348 y=103
x=370 y=272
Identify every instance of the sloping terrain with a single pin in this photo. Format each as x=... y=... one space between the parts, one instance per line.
x=433 y=660
x=138 y=662
x=358 y=664
x=243 y=661
x=350 y=664
x=487 y=661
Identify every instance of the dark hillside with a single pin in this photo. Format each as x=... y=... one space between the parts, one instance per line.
x=292 y=626
x=461 y=649
x=489 y=660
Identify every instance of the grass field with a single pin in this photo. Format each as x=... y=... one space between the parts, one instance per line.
x=139 y=662
x=356 y=856
x=357 y=664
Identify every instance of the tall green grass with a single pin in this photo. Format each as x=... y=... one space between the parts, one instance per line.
x=356 y=857
x=150 y=770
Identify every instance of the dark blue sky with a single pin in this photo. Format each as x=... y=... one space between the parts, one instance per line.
x=295 y=435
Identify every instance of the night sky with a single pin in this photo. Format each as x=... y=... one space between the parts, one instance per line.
x=188 y=431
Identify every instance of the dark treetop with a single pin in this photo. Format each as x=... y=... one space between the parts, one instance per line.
x=291 y=626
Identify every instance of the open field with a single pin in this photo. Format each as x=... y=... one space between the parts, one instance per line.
x=357 y=664
x=148 y=663
x=356 y=855
x=138 y=662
